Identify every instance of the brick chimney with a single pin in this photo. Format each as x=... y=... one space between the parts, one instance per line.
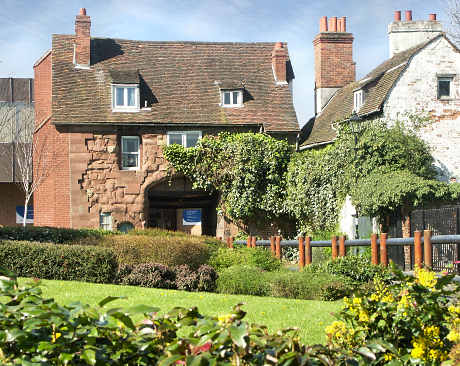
x=279 y=63
x=407 y=33
x=82 y=48
x=334 y=66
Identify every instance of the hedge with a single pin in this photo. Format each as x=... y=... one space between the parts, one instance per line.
x=59 y=262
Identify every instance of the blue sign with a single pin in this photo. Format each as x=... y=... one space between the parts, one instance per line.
x=20 y=215
x=191 y=216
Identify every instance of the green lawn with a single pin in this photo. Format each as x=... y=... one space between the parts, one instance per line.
x=310 y=316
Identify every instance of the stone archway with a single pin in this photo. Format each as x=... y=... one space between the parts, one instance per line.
x=172 y=204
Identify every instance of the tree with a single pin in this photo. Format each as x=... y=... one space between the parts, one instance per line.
x=30 y=153
x=453 y=12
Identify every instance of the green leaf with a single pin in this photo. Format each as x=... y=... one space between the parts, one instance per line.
x=238 y=334
x=366 y=352
x=170 y=360
x=89 y=356
x=109 y=299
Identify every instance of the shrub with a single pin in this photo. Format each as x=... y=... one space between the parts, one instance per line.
x=308 y=286
x=207 y=278
x=46 y=234
x=59 y=262
x=253 y=257
x=170 y=251
x=151 y=275
x=124 y=270
x=413 y=320
x=243 y=280
x=186 y=278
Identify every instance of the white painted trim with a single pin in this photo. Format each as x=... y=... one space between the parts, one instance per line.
x=184 y=136
x=125 y=108
x=138 y=152
x=239 y=98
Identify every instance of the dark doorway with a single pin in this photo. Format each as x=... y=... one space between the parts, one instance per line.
x=167 y=201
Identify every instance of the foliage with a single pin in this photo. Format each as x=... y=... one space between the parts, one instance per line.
x=59 y=262
x=247 y=169
x=46 y=234
x=170 y=251
x=255 y=257
x=150 y=275
x=243 y=280
x=207 y=278
x=38 y=331
x=413 y=320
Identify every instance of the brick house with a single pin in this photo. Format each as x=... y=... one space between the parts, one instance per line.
x=16 y=96
x=422 y=76
x=110 y=104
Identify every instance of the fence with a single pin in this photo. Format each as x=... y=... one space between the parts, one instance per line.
x=423 y=244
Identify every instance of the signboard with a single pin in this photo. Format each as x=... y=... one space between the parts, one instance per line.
x=191 y=216
x=20 y=215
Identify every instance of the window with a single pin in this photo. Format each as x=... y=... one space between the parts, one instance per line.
x=125 y=98
x=186 y=139
x=358 y=100
x=129 y=152
x=105 y=221
x=232 y=98
x=444 y=87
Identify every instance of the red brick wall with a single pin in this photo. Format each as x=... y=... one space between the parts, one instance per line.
x=334 y=66
x=10 y=196
x=52 y=198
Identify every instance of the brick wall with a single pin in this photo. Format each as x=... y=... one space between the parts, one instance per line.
x=12 y=196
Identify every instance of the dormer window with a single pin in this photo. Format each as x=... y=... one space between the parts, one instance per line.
x=125 y=98
x=358 y=100
x=232 y=98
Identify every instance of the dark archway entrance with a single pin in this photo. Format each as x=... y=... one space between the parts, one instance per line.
x=176 y=206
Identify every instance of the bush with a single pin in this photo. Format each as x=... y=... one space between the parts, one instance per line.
x=243 y=280
x=59 y=262
x=150 y=275
x=186 y=278
x=124 y=270
x=207 y=278
x=307 y=286
x=170 y=251
x=254 y=257
x=55 y=235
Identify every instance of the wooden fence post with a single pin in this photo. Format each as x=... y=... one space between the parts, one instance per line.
x=278 y=247
x=383 y=249
x=254 y=241
x=230 y=242
x=248 y=244
x=428 y=248
x=301 y=252
x=272 y=245
x=342 y=246
x=374 y=250
x=417 y=249
x=334 y=246
x=308 y=256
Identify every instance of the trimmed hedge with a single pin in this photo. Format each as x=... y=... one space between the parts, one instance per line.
x=46 y=234
x=59 y=262
x=255 y=257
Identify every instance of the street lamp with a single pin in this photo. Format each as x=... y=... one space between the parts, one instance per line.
x=354 y=122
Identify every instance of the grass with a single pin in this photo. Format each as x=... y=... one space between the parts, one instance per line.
x=310 y=317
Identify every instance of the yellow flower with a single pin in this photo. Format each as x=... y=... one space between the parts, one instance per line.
x=55 y=336
x=425 y=277
x=224 y=318
x=388 y=356
x=357 y=301
x=453 y=336
x=363 y=316
x=419 y=349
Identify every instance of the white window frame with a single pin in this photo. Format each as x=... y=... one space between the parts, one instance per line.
x=358 y=100
x=184 y=136
x=131 y=153
x=450 y=79
x=125 y=108
x=231 y=91
x=105 y=226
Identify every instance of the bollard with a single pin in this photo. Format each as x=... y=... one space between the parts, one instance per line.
x=278 y=247
x=301 y=252
x=272 y=245
x=428 y=248
x=219 y=238
x=342 y=246
x=417 y=249
x=383 y=249
x=308 y=256
x=231 y=242
x=254 y=242
x=334 y=246
x=374 y=250
x=248 y=244
x=228 y=241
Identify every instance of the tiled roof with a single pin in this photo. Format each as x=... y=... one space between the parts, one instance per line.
x=15 y=90
x=180 y=81
x=377 y=85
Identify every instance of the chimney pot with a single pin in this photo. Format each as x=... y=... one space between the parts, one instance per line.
x=432 y=16
x=333 y=24
x=82 y=56
x=408 y=15
x=323 y=24
x=344 y=24
x=279 y=45
x=82 y=11
x=397 y=15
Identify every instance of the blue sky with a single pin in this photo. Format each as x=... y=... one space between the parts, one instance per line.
x=27 y=25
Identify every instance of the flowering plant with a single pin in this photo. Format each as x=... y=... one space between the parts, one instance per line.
x=413 y=320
